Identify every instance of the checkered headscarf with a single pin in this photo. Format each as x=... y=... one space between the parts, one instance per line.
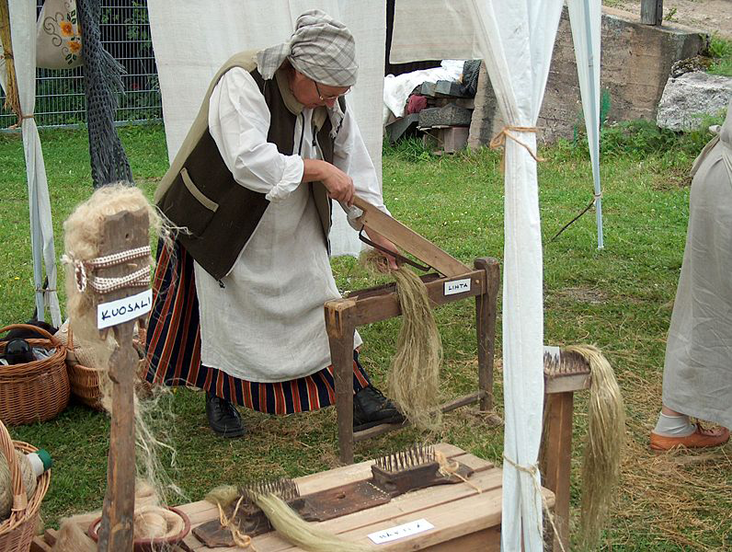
x=321 y=48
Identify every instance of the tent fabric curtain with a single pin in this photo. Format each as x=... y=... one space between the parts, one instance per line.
x=454 y=35
x=516 y=41
x=191 y=41
x=585 y=18
x=23 y=31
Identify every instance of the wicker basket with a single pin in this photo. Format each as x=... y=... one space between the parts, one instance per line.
x=34 y=391
x=17 y=532
x=84 y=379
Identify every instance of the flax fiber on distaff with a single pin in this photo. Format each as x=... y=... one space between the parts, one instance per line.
x=604 y=445
x=287 y=523
x=82 y=231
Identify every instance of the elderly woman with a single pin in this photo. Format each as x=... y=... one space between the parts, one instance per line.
x=238 y=307
x=697 y=377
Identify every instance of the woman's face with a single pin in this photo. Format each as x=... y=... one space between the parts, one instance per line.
x=312 y=94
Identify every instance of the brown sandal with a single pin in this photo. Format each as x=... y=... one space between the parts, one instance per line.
x=701 y=438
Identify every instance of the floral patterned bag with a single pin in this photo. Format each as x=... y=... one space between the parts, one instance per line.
x=58 y=35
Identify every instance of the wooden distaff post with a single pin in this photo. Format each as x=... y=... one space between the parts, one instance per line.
x=122 y=232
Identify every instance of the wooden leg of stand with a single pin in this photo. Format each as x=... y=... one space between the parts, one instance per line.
x=557 y=460
x=485 y=318
x=340 y=335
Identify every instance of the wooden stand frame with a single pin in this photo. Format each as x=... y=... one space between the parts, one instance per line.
x=556 y=449
x=343 y=316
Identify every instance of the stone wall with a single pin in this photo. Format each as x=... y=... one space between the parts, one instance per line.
x=636 y=62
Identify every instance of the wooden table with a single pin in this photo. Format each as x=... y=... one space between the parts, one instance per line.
x=464 y=520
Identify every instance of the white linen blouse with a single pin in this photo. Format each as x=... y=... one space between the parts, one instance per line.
x=266 y=324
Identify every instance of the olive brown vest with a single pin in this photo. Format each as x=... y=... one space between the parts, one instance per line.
x=198 y=194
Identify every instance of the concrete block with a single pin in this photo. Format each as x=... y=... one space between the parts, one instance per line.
x=635 y=65
x=428 y=89
x=688 y=98
x=402 y=126
x=450 y=115
x=446 y=140
x=449 y=88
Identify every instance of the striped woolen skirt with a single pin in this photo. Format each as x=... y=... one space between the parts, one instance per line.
x=174 y=349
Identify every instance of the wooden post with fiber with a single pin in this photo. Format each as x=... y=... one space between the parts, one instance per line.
x=343 y=316
x=122 y=231
x=560 y=383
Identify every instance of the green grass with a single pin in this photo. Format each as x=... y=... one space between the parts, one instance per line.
x=619 y=298
x=720 y=50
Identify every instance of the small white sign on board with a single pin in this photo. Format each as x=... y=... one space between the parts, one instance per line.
x=457 y=286
x=401 y=531
x=124 y=310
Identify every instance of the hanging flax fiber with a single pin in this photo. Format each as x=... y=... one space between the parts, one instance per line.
x=414 y=378
x=413 y=381
x=604 y=445
x=286 y=522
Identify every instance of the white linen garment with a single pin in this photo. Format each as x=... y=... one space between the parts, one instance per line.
x=697 y=376
x=266 y=324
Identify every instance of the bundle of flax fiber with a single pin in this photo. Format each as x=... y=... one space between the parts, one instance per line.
x=413 y=381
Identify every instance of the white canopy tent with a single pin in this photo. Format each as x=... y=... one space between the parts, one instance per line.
x=516 y=40
x=23 y=33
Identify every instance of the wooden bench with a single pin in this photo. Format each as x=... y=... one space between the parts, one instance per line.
x=463 y=518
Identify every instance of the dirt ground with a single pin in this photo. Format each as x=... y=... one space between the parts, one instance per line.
x=712 y=16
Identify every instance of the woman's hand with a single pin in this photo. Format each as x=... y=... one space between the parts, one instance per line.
x=339 y=185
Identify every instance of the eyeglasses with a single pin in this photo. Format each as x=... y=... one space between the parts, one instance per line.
x=328 y=98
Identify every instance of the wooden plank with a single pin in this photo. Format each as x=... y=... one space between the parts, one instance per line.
x=408 y=239
x=556 y=458
x=462 y=517
x=485 y=322
x=340 y=329
x=375 y=308
x=447 y=407
x=652 y=12
x=563 y=384
x=487 y=540
x=50 y=536
x=122 y=231
x=39 y=545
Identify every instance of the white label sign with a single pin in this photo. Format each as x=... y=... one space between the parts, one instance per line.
x=457 y=286
x=124 y=310
x=401 y=531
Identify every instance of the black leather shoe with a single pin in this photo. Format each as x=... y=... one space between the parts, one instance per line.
x=371 y=407
x=223 y=417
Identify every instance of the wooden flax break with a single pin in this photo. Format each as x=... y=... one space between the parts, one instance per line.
x=454 y=282
x=122 y=231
